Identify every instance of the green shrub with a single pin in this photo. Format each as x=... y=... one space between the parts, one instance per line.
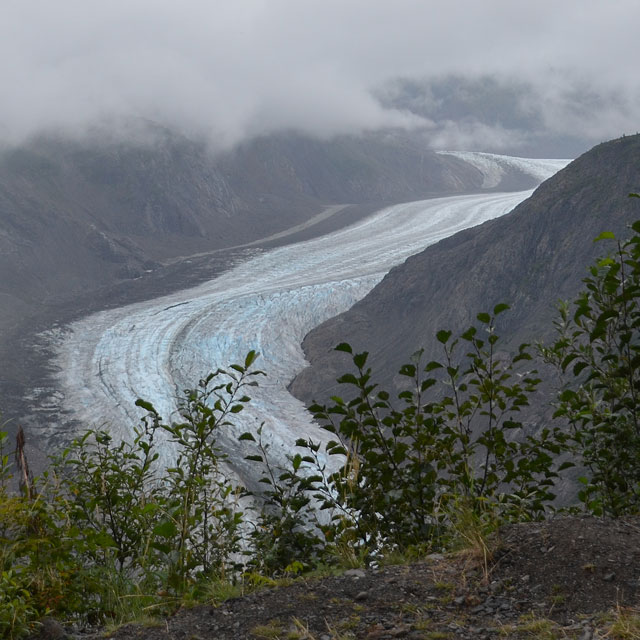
x=18 y=616
x=107 y=531
x=598 y=354
x=446 y=438
x=396 y=474
x=201 y=529
x=285 y=531
x=153 y=530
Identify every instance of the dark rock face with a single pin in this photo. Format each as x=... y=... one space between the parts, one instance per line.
x=529 y=259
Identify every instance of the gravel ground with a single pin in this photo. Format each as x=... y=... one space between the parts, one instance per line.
x=564 y=578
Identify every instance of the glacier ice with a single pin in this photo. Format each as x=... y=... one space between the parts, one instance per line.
x=157 y=348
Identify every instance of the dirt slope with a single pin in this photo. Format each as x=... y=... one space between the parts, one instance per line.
x=564 y=578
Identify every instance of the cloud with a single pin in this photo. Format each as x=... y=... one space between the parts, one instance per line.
x=229 y=71
x=472 y=134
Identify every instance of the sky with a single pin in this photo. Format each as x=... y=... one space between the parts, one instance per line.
x=230 y=70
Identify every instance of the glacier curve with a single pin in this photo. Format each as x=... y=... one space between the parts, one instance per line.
x=157 y=348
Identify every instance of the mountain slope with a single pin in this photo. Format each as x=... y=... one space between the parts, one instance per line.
x=529 y=259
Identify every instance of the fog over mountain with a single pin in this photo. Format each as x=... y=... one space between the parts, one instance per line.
x=495 y=76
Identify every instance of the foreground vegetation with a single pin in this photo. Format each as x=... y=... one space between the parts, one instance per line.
x=107 y=533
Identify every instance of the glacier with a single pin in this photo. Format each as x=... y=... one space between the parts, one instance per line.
x=157 y=348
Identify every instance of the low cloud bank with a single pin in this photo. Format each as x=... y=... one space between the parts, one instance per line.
x=228 y=72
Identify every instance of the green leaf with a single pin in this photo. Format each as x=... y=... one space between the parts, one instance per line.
x=247 y=436
x=360 y=359
x=469 y=334
x=568 y=360
x=426 y=384
x=147 y=406
x=163 y=547
x=166 y=529
x=348 y=378
x=408 y=370
x=605 y=235
x=578 y=367
x=499 y=308
x=334 y=451
x=251 y=358
x=485 y=318
x=443 y=336
x=344 y=346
